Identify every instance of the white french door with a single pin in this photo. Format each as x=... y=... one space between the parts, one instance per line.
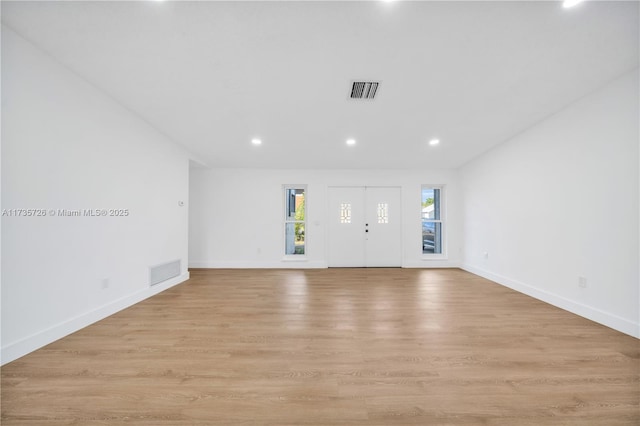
x=365 y=227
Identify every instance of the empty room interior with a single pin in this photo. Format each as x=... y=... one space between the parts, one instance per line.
x=320 y=212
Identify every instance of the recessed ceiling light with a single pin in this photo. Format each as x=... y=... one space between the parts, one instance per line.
x=351 y=142
x=570 y=3
x=256 y=141
x=434 y=142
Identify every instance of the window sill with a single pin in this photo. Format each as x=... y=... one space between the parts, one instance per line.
x=428 y=257
x=295 y=258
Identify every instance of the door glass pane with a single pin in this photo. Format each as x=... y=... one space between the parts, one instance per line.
x=294 y=238
x=345 y=212
x=431 y=237
x=383 y=213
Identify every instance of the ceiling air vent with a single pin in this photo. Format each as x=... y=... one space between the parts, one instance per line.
x=364 y=89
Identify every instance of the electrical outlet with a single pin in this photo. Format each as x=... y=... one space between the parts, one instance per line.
x=105 y=283
x=582 y=282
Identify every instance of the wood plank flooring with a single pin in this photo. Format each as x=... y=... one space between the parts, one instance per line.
x=331 y=347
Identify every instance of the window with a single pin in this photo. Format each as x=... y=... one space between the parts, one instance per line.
x=432 y=223
x=294 y=220
x=383 y=213
x=345 y=212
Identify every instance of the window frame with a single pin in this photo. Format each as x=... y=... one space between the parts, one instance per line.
x=287 y=220
x=442 y=221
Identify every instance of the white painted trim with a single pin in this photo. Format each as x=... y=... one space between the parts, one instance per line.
x=314 y=264
x=432 y=257
x=15 y=350
x=605 y=318
x=295 y=258
x=431 y=263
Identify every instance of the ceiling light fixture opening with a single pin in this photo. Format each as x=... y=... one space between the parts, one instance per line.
x=256 y=141
x=434 y=142
x=351 y=142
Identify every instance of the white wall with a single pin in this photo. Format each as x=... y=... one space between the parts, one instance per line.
x=66 y=145
x=560 y=201
x=0 y=202
x=236 y=214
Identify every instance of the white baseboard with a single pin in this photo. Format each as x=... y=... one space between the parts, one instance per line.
x=431 y=263
x=301 y=264
x=284 y=264
x=594 y=314
x=42 y=338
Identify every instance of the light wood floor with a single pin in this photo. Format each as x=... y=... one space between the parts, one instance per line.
x=327 y=347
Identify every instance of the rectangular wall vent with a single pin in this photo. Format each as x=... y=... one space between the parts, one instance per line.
x=163 y=272
x=364 y=89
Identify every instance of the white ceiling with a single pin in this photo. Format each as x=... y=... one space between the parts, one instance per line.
x=213 y=75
